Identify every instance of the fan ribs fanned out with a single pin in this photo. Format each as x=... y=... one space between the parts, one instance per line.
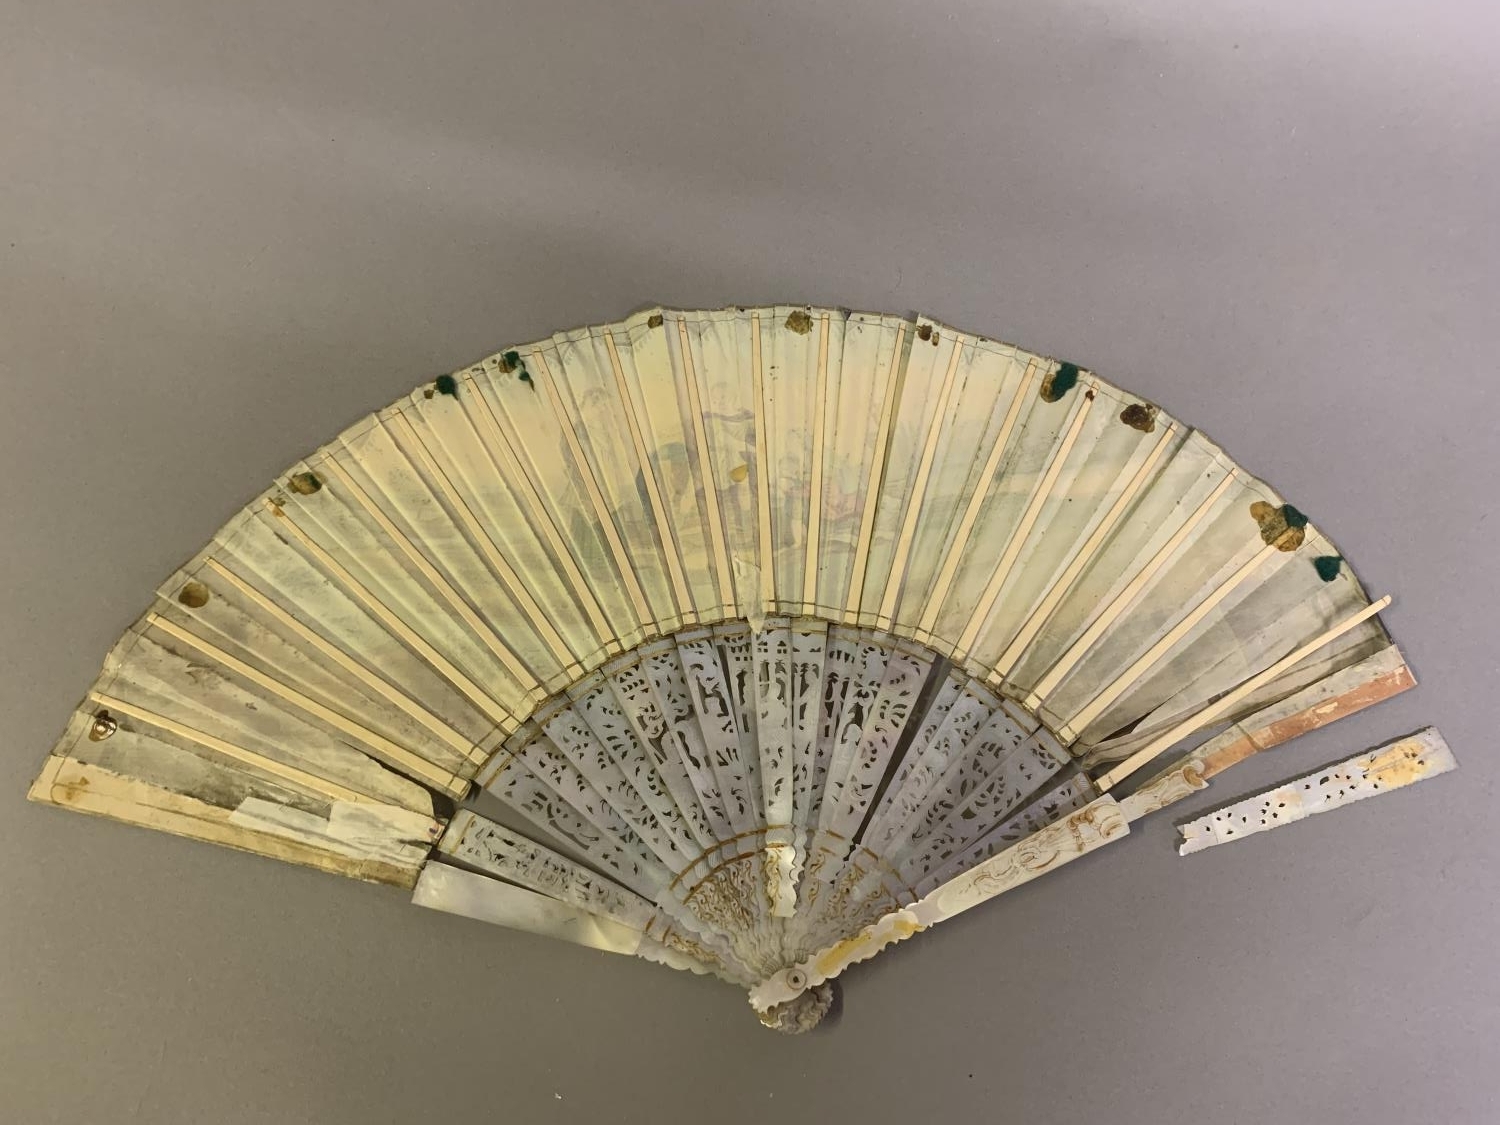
x=775 y=626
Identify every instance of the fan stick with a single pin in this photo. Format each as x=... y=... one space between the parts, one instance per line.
x=871 y=495
x=1384 y=769
x=385 y=690
x=723 y=574
x=93 y=789
x=644 y=616
x=513 y=471
x=975 y=505
x=408 y=759
x=1346 y=692
x=452 y=889
x=1227 y=702
x=762 y=474
x=815 y=477
x=907 y=537
x=643 y=467
x=298 y=777
x=535 y=615
x=530 y=683
x=1127 y=679
x=1096 y=824
x=1064 y=582
x=478 y=695
x=1033 y=511
x=474 y=842
x=1121 y=602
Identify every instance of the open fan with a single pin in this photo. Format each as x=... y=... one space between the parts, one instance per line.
x=779 y=634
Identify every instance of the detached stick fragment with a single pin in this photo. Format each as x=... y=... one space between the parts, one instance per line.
x=1391 y=766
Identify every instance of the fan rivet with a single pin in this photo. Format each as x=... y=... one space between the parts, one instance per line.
x=102 y=727
x=796 y=979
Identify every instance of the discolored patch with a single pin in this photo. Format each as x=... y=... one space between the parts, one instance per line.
x=194 y=595
x=925 y=332
x=1060 y=381
x=1140 y=416
x=1283 y=528
x=509 y=361
x=1401 y=765
x=304 y=484
x=740 y=473
x=1328 y=566
x=799 y=322
x=103 y=726
x=446 y=385
x=654 y=320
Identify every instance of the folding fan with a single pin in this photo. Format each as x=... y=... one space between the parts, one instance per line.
x=771 y=636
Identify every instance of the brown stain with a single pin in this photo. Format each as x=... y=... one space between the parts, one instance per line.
x=70 y=792
x=1320 y=714
x=925 y=332
x=304 y=484
x=739 y=474
x=428 y=393
x=1140 y=416
x=654 y=320
x=1400 y=765
x=1274 y=530
x=103 y=726
x=507 y=365
x=867 y=942
x=799 y=322
x=935 y=338
x=194 y=595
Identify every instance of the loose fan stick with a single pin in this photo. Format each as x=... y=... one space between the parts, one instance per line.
x=1384 y=769
x=1098 y=823
x=1226 y=703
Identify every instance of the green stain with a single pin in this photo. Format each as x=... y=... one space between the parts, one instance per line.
x=1060 y=382
x=509 y=361
x=1293 y=517
x=1328 y=567
x=446 y=385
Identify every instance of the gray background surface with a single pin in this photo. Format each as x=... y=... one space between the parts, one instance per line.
x=227 y=230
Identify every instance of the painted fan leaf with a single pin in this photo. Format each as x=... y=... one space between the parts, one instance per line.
x=768 y=635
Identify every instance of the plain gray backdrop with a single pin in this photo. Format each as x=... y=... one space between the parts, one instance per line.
x=229 y=229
